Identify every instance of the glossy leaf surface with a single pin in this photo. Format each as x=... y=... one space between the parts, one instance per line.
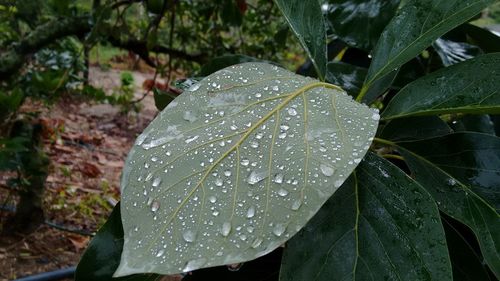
x=359 y=22
x=462 y=172
x=380 y=225
x=417 y=24
x=235 y=166
x=306 y=20
x=102 y=256
x=472 y=86
x=347 y=76
x=452 y=52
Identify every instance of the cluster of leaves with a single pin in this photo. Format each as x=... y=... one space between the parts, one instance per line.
x=421 y=205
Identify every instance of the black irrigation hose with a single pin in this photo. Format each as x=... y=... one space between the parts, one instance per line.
x=52 y=275
x=12 y=209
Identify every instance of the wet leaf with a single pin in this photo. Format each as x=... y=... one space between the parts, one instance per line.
x=235 y=166
x=306 y=21
x=380 y=225
x=359 y=22
x=416 y=25
x=452 y=52
x=415 y=128
x=462 y=173
x=467 y=87
x=101 y=258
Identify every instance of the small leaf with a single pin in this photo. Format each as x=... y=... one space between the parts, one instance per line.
x=235 y=166
x=306 y=20
x=380 y=225
x=417 y=24
x=359 y=22
x=467 y=87
x=348 y=76
x=415 y=128
x=452 y=52
x=101 y=258
x=162 y=98
x=460 y=171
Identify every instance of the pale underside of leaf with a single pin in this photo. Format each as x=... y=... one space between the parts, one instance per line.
x=235 y=166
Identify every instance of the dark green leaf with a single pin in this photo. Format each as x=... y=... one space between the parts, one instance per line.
x=360 y=22
x=467 y=87
x=415 y=128
x=466 y=263
x=462 y=171
x=162 y=98
x=471 y=158
x=474 y=123
x=452 y=52
x=102 y=256
x=380 y=225
x=347 y=76
x=221 y=62
x=417 y=24
x=485 y=39
x=306 y=20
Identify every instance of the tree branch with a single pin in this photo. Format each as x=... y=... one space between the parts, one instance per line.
x=15 y=55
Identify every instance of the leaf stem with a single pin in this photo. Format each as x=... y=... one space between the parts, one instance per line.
x=383 y=141
x=362 y=93
x=393 y=156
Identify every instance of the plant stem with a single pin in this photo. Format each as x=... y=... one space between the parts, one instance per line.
x=383 y=141
x=362 y=93
x=393 y=156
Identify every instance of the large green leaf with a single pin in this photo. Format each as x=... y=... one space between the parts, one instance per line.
x=359 y=22
x=102 y=256
x=468 y=87
x=462 y=172
x=417 y=24
x=380 y=225
x=306 y=20
x=235 y=166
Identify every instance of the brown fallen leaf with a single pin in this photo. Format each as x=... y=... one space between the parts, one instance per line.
x=90 y=170
x=80 y=242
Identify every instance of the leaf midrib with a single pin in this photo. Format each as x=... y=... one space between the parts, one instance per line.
x=280 y=106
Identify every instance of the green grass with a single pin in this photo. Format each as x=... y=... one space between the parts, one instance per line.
x=103 y=54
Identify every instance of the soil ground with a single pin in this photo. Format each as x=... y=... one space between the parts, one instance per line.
x=87 y=147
